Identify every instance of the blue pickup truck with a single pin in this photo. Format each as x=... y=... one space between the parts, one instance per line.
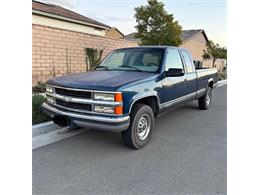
x=128 y=90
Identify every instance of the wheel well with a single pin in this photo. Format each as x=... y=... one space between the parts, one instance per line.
x=211 y=84
x=151 y=101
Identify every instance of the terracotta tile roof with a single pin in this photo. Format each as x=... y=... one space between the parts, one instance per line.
x=60 y=11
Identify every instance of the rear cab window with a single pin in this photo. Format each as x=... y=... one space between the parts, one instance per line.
x=188 y=62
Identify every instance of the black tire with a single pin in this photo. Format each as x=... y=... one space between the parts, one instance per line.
x=72 y=126
x=132 y=136
x=204 y=102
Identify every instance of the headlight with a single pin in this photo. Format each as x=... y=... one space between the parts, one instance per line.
x=104 y=109
x=117 y=97
x=112 y=97
x=104 y=96
x=49 y=89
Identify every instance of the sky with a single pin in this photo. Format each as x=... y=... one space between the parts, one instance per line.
x=209 y=15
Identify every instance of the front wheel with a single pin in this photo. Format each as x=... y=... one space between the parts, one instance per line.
x=139 y=132
x=205 y=100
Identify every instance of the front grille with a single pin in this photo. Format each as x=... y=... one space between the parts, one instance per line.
x=72 y=93
x=86 y=107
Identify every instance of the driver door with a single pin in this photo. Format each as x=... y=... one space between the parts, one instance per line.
x=173 y=88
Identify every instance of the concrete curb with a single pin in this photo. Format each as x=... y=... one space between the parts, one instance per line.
x=44 y=128
x=46 y=133
x=41 y=125
x=222 y=83
x=54 y=136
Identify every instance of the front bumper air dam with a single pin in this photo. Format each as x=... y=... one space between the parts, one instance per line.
x=106 y=123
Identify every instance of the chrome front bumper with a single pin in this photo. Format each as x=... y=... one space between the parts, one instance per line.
x=108 y=123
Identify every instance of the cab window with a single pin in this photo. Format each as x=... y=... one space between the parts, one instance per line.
x=187 y=61
x=133 y=59
x=173 y=60
x=116 y=59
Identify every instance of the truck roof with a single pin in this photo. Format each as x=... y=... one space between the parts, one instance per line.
x=152 y=47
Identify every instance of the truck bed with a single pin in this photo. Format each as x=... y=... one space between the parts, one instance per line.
x=204 y=75
x=201 y=72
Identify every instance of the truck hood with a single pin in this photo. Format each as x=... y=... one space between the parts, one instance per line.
x=100 y=80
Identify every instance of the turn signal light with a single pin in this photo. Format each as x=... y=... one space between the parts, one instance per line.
x=118 y=110
x=118 y=97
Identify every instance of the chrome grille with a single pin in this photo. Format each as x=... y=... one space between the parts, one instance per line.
x=74 y=93
x=86 y=107
x=78 y=100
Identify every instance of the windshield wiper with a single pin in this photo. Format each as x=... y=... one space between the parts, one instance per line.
x=128 y=66
x=103 y=67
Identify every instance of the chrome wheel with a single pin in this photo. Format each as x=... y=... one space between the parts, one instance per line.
x=143 y=127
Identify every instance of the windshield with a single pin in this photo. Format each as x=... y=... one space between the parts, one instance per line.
x=134 y=59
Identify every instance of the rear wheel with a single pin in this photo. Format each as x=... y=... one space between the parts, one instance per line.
x=205 y=101
x=139 y=132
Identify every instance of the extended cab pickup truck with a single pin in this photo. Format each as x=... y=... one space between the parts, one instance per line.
x=128 y=90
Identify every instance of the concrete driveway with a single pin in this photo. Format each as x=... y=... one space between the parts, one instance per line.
x=187 y=155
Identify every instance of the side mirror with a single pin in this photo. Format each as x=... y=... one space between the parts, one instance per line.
x=174 y=72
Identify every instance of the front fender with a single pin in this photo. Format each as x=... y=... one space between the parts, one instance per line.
x=140 y=96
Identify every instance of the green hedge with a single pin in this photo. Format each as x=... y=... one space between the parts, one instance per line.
x=37 y=115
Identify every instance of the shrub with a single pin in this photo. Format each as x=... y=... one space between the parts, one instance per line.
x=37 y=115
x=93 y=57
x=39 y=87
x=222 y=75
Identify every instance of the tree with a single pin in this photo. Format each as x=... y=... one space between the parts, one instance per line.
x=214 y=51
x=93 y=57
x=155 y=26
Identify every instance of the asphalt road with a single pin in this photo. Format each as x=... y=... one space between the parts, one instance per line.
x=187 y=155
